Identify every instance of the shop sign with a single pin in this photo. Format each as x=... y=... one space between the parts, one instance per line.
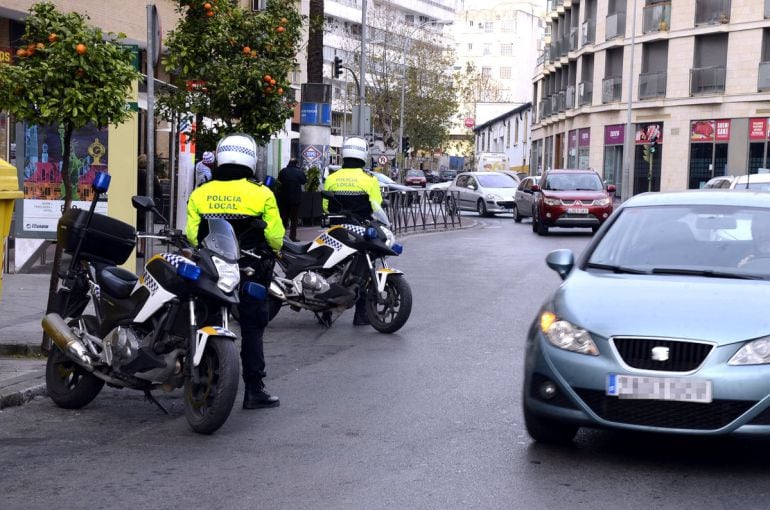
x=723 y=130
x=584 y=137
x=6 y=55
x=710 y=130
x=614 y=134
x=757 y=129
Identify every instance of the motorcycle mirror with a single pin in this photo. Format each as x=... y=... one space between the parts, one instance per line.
x=147 y=204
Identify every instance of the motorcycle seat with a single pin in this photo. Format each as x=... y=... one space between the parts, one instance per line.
x=298 y=248
x=116 y=281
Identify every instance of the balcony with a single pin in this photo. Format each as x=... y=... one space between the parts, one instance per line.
x=657 y=18
x=561 y=100
x=585 y=93
x=555 y=103
x=611 y=88
x=652 y=85
x=564 y=46
x=712 y=12
x=553 y=51
x=764 y=76
x=541 y=59
x=587 y=32
x=707 y=80
x=546 y=107
x=573 y=38
x=616 y=25
x=570 y=98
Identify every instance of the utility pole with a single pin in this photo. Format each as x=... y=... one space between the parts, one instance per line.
x=627 y=186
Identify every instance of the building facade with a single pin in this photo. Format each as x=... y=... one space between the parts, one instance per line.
x=696 y=73
x=508 y=134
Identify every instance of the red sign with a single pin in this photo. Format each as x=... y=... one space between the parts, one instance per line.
x=723 y=130
x=645 y=131
x=196 y=85
x=757 y=129
x=702 y=131
x=469 y=122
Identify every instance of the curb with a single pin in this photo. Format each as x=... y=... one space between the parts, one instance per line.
x=25 y=350
x=12 y=397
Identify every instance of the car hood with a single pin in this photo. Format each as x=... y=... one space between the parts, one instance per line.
x=506 y=192
x=574 y=195
x=713 y=309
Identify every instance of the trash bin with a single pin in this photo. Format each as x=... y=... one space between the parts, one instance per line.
x=9 y=191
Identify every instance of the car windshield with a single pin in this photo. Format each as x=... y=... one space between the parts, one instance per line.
x=415 y=173
x=496 y=181
x=573 y=182
x=703 y=240
x=221 y=239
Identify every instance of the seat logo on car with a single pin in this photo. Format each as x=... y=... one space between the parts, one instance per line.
x=660 y=353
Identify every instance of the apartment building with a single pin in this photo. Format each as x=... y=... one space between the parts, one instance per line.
x=697 y=72
x=508 y=134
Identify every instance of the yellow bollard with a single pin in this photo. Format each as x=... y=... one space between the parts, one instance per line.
x=9 y=191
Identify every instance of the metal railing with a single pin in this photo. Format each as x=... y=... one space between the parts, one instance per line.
x=573 y=38
x=587 y=32
x=570 y=97
x=547 y=107
x=555 y=103
x=712 y=12
x=652 y=85
x=657 y=18
x=561 y=100
x=585 y=93
x=705 y=80
x=422 y=210
x=764 y=76
x=616 y=25
x=611 y=89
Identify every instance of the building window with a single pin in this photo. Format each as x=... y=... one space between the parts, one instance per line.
x=488 y=27
x=509 y=25
x=470 y=46
x=508 y=136
x=709 y=64
x=409 y=19
x=487 y=49
x=516 y=133
x=506 y=50
x=486 y=72
x=505 y=73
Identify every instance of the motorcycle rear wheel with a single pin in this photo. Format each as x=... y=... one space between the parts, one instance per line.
x=393 y=313
x=69 y=385
x=208 y=403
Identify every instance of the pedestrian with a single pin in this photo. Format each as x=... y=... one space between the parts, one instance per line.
x=290 y=182
x=203 y=168
x=357 y=191
x=251 y=207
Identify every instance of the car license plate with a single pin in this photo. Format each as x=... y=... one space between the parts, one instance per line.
x=577 y=210
x=659 y=388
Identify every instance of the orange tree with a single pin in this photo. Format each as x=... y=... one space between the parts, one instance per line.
x=231 y=66
x=68 y=74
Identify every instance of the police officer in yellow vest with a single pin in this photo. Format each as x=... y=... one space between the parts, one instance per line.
x=356 y=191
x=234 y=196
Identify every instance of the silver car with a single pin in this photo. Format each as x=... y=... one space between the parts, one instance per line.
x=523 y=199
x=661 y=325
x=484 y=192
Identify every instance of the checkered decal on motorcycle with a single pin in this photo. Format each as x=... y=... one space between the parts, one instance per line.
x=330 y=241
x=356 y=229
x=175 y=260
x=150 y=283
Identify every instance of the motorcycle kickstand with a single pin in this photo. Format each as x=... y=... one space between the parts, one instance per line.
x=324 y=319
x=148 y=396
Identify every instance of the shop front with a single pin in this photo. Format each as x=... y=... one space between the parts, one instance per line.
x=647 y=164
x=584 y=147
x=614 y=137
x=759 y=148
x=709 y=140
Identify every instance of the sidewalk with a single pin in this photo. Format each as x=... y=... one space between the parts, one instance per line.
x=22 y=307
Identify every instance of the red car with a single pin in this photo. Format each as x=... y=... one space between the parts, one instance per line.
x=571 y=198
x=415 y=178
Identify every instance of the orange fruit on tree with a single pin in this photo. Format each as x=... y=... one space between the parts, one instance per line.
x=81 y=49
x=246 y=50
x=280 y=90
x=267 y=78
x=284 y=21
x=21 y=53
x=253 y=53
x=280 y=29
x=207 y=6
x=272 y=82
x=53 y=37
x=40 y=46
x=210 y=14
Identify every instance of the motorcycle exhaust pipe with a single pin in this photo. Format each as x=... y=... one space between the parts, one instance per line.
x=62 y=335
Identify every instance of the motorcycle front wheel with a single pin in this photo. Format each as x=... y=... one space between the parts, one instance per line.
x=392 y=313
x=69 y=385
x=208 y=403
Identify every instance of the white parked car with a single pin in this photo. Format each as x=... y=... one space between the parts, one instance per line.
x=486 y=193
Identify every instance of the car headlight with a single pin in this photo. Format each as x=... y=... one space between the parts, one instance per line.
x=229 y=274
x=756 y=352
x=565 y=335
x=492 y=196
x=551 y=201
x=602 y=202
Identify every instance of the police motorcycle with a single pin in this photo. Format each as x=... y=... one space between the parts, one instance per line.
x=348 y=259
x=150 y=332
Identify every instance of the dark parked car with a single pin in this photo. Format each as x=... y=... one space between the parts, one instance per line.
x=447 y=175
x=570 y=198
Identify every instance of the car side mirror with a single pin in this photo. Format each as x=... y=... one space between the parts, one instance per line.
x=471 y=186
x=561 y=261
x=535 y=187
x=611 y=188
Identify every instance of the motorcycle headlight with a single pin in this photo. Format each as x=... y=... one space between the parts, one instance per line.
x=565 y=335
x=756 y=352
x=390 y=238
x=602 y=202
x=229 y=274
x=552 y=201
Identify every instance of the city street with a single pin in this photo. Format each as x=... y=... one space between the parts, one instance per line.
x=429 y=417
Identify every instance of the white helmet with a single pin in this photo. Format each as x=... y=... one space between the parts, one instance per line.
x=237 y=149
x=356 y=148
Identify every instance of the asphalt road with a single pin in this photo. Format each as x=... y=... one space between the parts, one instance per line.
x=426 y=418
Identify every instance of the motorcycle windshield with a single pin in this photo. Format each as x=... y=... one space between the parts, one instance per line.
x=221 y=239
x=379 y=215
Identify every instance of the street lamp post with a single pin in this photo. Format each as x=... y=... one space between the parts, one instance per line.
x=403 y=82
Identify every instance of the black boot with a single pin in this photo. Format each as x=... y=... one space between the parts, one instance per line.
x=360 y=319
x=255 y=397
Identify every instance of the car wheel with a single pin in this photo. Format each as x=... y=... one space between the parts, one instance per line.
x=542 y=230
x=534 y=221
x=481 y=208
x=594 y=229
x=544 y=430
x=516 y=216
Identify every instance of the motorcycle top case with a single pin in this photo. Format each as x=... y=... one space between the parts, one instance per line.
x=106 y=240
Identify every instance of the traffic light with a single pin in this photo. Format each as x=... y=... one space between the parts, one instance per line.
x=405 y=144
x=653 y=142
x=337 y=67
